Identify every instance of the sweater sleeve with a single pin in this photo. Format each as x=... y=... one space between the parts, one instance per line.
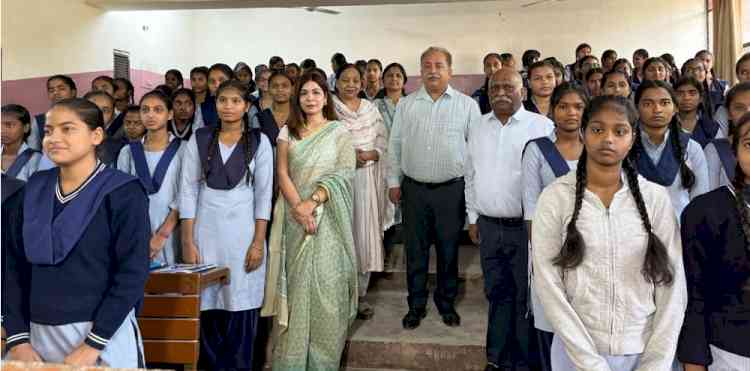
x=16 y=274
x=670 y=300
x=547 y=238
x=129 y=223
x=263 y=179
x=697 y=236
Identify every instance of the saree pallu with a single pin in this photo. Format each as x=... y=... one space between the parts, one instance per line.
x=312 y=281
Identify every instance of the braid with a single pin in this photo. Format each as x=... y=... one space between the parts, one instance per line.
x=246 y=140
x=212 y=147
x=571 y=253
x=656 y=266
x=739 y=187
x=686 y=175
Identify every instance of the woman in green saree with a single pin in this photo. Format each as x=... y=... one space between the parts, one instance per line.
x=312 y=283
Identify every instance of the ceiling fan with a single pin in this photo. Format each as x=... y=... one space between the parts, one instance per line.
x=321 y=10
x=537 y=2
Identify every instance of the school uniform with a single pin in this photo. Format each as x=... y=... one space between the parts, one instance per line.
x=159 y=172
x=717 y=264
x=193 y=124
x=483 y=99
x=716 y=91
x=606 y=314
x=706 y=129
x=542 y=163
x=530 y=106
x=494 y=203
x=12 y=227
x=25 y=164
x=721 y=116
x=225 y=207
x=266 y=122
x=116 y=128
x=720 y=162
x=658 y=164
x=208 y=112
x=36 y=133
x=77 y=272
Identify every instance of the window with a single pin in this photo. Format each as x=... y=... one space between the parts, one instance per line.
x=121 y=64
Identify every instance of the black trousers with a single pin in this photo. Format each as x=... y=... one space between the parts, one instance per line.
x=432 y=212
x=511 y=337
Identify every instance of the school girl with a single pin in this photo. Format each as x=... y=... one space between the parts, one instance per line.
x=544 y=160
x=19 y=160
x=695 y=118
x=185 y=121
x=217 y=74
x=655 y=69
x=716 y=86
x=225 y=203
x=716 y=238
x=742 y=69
x=59 y=87
x=662 y=152
x=78 y=271
x=616 y=82
x=173 y=79
x=134 y=129
x=541 y=85
x=156 y=161
x=114 y=131
x=607 y=255
x=720 y=159
x=271 y=120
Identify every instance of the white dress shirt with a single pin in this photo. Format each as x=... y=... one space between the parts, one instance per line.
x=493 y=163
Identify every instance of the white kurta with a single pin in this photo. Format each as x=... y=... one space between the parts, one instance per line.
x=225 y=224
x=162 y=202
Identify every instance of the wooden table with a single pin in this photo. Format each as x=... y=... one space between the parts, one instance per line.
x=170 y=318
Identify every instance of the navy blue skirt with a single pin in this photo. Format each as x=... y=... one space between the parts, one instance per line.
x=227 y=339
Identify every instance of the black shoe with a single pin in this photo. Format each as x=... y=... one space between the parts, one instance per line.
x=451 y=319
x=413 y=318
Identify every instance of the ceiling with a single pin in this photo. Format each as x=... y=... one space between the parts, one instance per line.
x=227 y=4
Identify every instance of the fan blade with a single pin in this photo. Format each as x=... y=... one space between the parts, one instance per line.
x=327 y=11
x=533 y=3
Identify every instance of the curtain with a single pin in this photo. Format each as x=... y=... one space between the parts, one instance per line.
x=727 y=38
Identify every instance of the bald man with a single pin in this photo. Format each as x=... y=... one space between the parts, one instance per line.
x=493 y=205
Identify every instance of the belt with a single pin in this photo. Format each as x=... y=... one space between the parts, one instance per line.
x=508 y=222
x=434 y=185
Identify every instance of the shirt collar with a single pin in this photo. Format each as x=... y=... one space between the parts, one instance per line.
x=423 y=94
x=519 y=116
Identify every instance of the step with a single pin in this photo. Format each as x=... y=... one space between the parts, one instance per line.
x=394 y=278
x=382 y=343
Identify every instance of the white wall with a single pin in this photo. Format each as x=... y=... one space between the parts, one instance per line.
x=45 y=37
x=469 y=30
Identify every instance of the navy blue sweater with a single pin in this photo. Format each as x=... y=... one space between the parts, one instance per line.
x=101 y=280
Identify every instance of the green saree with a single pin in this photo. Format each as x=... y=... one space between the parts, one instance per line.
x=312 y=283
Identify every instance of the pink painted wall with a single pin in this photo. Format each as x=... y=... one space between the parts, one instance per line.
x=32 y=93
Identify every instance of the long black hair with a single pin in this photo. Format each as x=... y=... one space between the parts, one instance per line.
x=89 y=113
x=246 y=134
x=732 y=94
x=21 y=114
x=687 y=177
x=656 y=267
x=739 y=181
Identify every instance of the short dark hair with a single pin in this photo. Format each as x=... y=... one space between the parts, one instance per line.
x=65 y=79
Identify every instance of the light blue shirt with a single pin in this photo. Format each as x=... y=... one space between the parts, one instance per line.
x=428 y=137
x=695 y=160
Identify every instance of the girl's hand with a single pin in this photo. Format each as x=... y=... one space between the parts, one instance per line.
x=254 y=256
x=84 y=355
x=190 y=253
x=24 y=353
x=156 y=244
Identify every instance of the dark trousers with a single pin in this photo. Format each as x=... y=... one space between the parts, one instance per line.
x=545 y=347
x=227 y=339
x=505 y=258
x=432 y=212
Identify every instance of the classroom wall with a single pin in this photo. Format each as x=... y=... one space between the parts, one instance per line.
x=469 y=30
x=43 y=37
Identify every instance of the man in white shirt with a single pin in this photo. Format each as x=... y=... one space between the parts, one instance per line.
x=494 y=207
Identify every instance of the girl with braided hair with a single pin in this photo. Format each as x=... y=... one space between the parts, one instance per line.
x=663 y=153
x=716 y=235
x=225 y=205
x=607 y=254
x=719 y=156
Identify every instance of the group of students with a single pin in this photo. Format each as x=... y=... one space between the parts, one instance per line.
x=637 y=201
